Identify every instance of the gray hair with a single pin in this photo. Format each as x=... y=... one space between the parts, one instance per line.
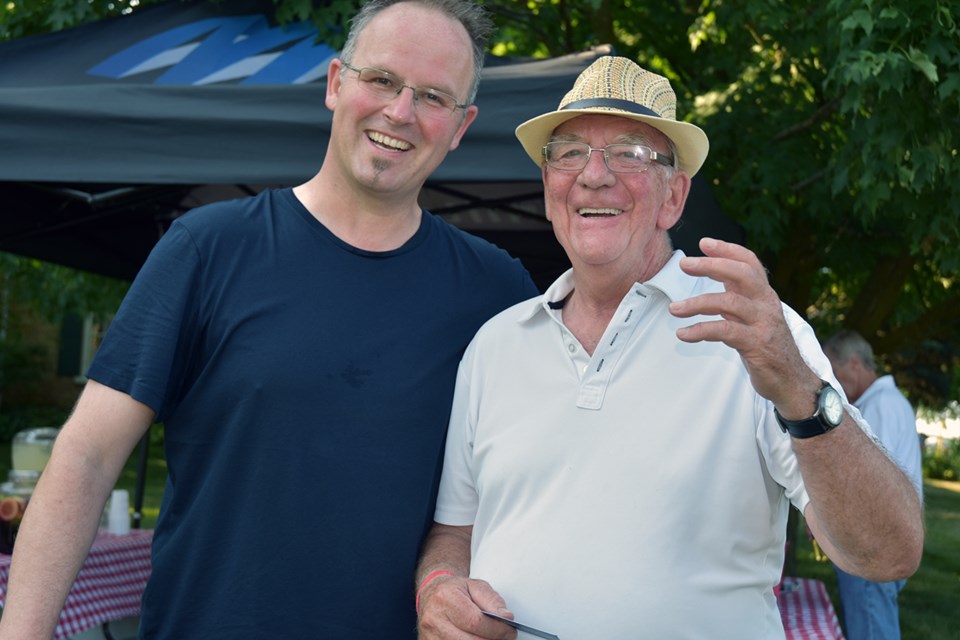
x=471 y=15
x=847 y=343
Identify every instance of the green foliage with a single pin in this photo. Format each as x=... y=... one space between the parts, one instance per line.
x=19 y=18
x=52 y=290
x=21 y=362
x=14 y=419
x=32 y=290
x=332 y=19
x=942 y=462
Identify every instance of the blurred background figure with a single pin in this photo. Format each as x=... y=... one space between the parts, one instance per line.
x=870 y=608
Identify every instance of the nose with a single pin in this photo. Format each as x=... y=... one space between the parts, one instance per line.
x=402 y=108
x=596 y=173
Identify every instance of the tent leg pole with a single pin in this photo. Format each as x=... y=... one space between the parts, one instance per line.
x=141 y=480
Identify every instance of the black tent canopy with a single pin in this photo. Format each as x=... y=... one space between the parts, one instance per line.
x=111 y=130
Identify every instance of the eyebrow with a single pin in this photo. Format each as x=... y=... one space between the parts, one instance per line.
x=636 y=138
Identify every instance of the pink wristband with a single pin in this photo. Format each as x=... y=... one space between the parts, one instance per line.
x=427 y=581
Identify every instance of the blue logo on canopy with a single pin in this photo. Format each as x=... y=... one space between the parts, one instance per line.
x=240 y=49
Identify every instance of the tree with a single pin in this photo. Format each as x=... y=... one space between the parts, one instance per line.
x=32 y=291
x=833 y=130
x=848 y=185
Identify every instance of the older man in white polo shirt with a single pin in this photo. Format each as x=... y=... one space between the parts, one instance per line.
x=623 y=450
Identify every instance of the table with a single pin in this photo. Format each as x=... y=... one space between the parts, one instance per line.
x=806 y=610
x=109 y=585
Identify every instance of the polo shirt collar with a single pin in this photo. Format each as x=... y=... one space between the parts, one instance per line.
x=671 y=281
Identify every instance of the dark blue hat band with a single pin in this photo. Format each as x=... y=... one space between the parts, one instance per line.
x=623 y=105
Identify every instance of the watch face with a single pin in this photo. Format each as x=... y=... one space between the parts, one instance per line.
x=832 y=405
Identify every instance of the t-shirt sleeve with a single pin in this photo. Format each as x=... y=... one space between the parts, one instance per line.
x=457 y=501
x=149 y=340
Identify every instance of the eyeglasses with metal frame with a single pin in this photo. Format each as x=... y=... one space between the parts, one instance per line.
x=426 y=100
x=619 y=158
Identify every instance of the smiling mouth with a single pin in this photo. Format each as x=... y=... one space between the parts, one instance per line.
x=588 y=212
x=386 y=142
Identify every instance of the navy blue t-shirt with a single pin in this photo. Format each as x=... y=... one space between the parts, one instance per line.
x=305 y=389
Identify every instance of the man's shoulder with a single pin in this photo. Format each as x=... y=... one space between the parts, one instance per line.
x=478 y=264
x=512 y=321
x=466 y=241
x=234 y=211
x=884 y=389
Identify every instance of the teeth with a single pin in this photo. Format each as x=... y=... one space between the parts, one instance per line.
x=387 y=141
x=587 y=211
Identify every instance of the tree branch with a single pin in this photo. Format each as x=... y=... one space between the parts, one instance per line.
x=806 y=182
x=878 y=297
x=822 y=114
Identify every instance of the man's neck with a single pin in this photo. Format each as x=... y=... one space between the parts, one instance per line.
x=363 y=220
x=604 y=286
x=598 y=292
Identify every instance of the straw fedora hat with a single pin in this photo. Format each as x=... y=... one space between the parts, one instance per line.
x=618 y=86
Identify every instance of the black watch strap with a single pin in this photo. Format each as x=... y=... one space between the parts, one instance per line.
x=822 y=421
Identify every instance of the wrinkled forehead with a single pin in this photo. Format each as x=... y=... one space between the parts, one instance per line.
x=607 y=129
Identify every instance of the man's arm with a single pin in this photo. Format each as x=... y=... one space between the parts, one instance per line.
x=847 y=476
x=449 y=605
x=863 y=509
x=64 y=511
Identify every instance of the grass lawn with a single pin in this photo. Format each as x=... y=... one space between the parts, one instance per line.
x=929 y=608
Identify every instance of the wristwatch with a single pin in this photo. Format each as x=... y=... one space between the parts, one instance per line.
x=828 y=415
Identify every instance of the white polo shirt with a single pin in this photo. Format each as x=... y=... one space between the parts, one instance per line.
x=641 y=492
x=894 y=422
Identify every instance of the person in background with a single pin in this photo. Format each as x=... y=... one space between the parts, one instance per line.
x=870 y=610
x=623 y=450
x=300 y=348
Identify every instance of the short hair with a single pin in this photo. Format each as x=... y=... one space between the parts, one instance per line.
x=847 y=343
x=471 y=15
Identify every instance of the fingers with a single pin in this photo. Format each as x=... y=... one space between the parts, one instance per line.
x=714 y=248
x=735 y=266
x=487 y=599
x=747 y=316
x=746 y=304
x=451 y=610
x=730 y=306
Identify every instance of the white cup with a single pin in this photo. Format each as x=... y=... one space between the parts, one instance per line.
x=118 y=517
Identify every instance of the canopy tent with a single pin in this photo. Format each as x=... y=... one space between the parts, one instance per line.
x=111 y=130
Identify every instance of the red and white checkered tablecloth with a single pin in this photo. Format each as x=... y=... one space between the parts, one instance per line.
x=806 y=610
x=108 y=587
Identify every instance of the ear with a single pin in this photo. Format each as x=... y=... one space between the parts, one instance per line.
x=334 y=81
x=469 y=115
x=676 y=191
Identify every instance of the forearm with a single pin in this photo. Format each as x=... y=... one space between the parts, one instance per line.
x=62 y=516
x=56 y=533
x=445 y=549
x=863 y=509
x=449 y=606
